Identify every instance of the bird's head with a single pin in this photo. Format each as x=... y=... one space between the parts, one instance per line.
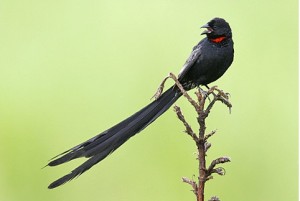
x=217 y=28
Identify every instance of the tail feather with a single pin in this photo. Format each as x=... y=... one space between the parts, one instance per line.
x=106 y=142
x=79 y=170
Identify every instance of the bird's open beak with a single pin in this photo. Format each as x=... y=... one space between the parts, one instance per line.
x=208 y=29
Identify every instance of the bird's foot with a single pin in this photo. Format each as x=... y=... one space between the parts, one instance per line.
x=204 y=94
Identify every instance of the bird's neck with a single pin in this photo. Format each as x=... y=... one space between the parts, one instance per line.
x=218 y=39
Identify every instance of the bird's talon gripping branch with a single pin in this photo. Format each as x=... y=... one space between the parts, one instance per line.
x=204 y=94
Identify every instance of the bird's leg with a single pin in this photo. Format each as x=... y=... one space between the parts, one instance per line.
x=160 y=88
x=205 y=94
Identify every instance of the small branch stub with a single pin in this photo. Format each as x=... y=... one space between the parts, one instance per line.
x=188 y=128
x=215 y=162
x=192 y=183
x=214 y=198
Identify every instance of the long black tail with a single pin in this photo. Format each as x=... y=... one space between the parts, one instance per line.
x=100 y=146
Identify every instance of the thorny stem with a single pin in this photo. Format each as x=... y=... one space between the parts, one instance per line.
x=201 y=139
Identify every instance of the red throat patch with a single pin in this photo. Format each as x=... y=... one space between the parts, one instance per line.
x=217 y=40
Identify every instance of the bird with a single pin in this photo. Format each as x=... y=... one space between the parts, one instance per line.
x=207 y=62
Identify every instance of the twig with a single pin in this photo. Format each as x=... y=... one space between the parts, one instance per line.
x=205 y=174
x=192 y=183
x=184 y=93
x=188 y=128
x=215 y=162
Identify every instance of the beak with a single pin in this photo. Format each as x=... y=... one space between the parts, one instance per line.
x=208 y=31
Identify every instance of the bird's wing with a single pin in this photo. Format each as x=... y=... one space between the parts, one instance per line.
x=190 y=61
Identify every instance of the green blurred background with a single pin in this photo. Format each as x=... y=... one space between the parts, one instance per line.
x=70 y=69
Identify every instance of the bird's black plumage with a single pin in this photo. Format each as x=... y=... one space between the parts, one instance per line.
x=208 y=61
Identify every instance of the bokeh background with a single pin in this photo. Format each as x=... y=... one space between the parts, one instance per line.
x=70 y=69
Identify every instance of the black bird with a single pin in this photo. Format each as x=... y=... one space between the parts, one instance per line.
x=209 y=60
